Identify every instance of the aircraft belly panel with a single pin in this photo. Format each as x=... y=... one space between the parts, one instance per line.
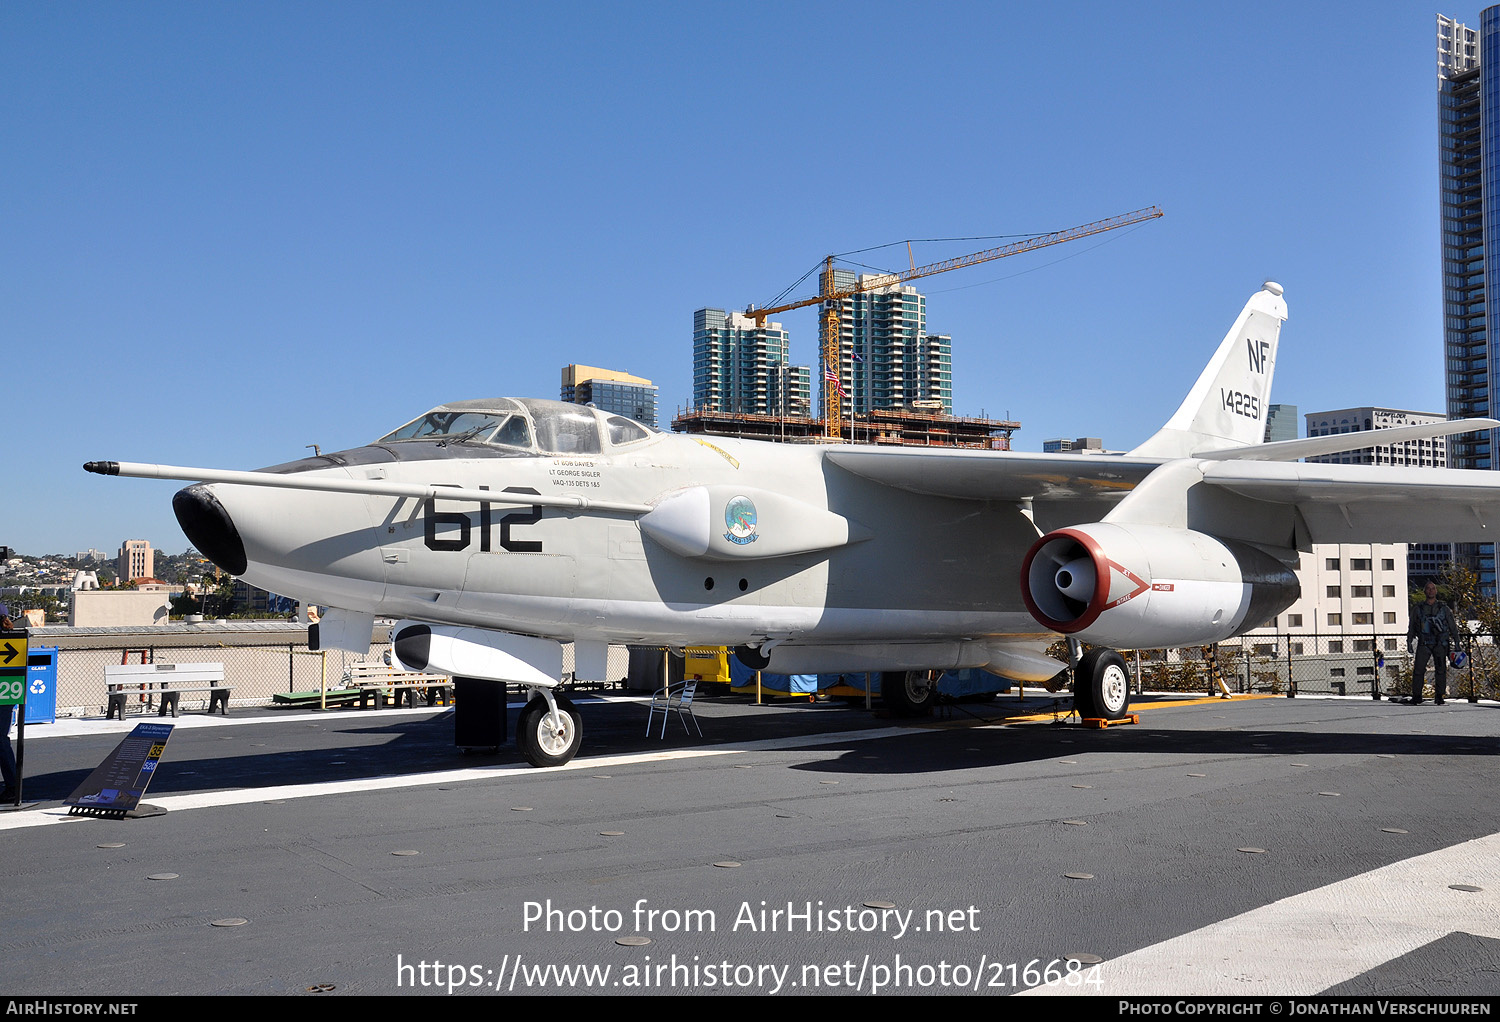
x=511 y=587
x=930 y=554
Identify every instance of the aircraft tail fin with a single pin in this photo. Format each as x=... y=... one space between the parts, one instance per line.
x=1227 y=406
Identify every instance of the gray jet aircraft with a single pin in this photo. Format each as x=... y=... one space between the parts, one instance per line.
x=496 y=530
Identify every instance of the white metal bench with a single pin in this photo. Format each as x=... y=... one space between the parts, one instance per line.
x=167 y=681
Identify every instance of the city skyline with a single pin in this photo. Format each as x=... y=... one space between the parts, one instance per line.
x=303 y=234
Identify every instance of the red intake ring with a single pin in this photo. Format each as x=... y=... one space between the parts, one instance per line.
x=1056 y=549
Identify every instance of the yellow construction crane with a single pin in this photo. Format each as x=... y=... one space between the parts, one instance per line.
x=832 y=297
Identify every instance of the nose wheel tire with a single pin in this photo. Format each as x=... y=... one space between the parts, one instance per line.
x=908 y=693
x=546 y=739
x=1102 y=688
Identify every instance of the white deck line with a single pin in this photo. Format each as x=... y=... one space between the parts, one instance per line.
x=1310 y=942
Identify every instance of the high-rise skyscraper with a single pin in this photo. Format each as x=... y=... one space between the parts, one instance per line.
x=611 y=390
x=887 y=357
x=1281 y=422
x=1468 y=153
x=746 y=369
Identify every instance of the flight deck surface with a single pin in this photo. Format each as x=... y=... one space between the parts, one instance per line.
x=1252 y=847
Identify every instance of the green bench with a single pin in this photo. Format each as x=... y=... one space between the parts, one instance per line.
x=335 y=697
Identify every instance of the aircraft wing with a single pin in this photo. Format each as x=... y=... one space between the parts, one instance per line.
x=1337 y=443
x=996 y=475
x=1018 y=475
x=1337 y=503
x=1372 y=504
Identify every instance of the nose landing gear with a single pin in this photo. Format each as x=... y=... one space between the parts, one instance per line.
x=550 y=730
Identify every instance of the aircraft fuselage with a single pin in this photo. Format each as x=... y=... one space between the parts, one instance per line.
x=928 y=570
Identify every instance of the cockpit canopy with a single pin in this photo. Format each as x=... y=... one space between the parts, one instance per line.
x=524 y=424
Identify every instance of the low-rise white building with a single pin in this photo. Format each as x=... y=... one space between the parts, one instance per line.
x=1429 y=453
x=1347 y=630
x=1352 y=593
x=103 y=608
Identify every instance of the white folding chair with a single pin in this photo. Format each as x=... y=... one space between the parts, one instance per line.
x=679 y=698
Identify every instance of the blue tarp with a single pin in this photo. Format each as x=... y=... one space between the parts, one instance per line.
x=971 y=681
x=740 y=676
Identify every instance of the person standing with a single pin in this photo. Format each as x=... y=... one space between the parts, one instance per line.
x=8 y=713
x=1430 y=635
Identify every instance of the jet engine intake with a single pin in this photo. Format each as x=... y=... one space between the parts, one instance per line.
x=1149 y=586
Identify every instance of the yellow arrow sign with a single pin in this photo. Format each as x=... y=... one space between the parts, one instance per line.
x=12 y=653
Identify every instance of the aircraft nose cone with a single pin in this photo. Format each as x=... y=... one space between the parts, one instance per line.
x=208 y=526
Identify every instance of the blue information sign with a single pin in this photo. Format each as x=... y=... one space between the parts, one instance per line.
x=116 y=785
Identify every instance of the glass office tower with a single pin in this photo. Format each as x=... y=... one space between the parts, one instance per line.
x=743 y=367
x=611 y=391
x=1469 y=187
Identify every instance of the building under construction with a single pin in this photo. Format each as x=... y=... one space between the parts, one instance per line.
x=903 y=426
x=904 y=364
x=885 y=380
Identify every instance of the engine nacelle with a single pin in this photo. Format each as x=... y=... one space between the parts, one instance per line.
x=1150 y=586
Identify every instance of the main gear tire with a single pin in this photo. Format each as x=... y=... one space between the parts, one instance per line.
x=908 y=693
x=1102 y=685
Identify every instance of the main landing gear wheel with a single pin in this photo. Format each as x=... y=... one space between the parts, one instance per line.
x=908 y=693
x=548 y=739
x=1102 y=685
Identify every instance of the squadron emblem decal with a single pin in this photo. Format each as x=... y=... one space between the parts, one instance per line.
x=739 y=515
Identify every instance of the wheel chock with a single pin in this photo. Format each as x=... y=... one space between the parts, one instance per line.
x=1103 y=722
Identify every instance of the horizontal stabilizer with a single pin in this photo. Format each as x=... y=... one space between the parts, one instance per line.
x=1316 y=446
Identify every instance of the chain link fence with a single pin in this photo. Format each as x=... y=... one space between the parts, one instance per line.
x=255 y=669
x=1371 y=665
x=254 y=673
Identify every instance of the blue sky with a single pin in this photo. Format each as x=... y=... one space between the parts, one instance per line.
x=232 y=230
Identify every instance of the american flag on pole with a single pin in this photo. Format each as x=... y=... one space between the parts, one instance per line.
x=833 y=378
